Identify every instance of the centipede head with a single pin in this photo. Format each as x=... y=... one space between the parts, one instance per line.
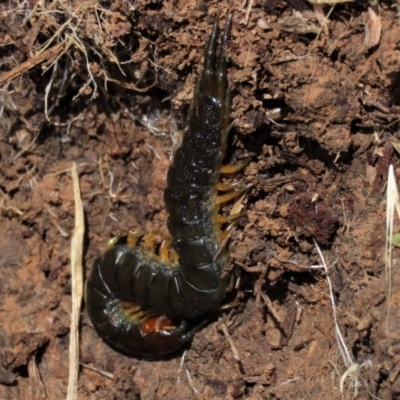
x=160 y=335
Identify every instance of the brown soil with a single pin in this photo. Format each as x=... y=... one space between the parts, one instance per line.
x=114 y=101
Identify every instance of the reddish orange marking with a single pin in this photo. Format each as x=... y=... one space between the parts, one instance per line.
x=156 y=324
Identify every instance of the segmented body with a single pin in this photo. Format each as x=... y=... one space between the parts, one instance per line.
x=141 y=304
x=124 y=282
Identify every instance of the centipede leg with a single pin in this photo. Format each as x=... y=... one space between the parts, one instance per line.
x=223 y=219
x=228 y=230
x=231 y=186
x=227 y=306
x=232 y=195
x=164 y=249
x=232 y=283
x=226 y=187
x=133 y=238
x=234 y=168
x=112 y=242
x=149 y=241
x=208 y=74
x=167 y=253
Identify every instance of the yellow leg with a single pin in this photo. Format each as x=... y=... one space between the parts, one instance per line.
x=227 y=231
x=167 y=253
x=112 y=242
x=174 y=256
x=233 y=168
x=133 y=238
x=228 y=187
x=149 y=239
x=227 y=306
x=232 y=283
x=223 y=219
x=165 y=249
x=229 y=196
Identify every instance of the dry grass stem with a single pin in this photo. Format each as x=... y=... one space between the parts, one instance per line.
x=319 y=13
x=347 y=359
x=107 y=374
x=77 y=287
x=5 y=203
x=248 y=11
x=181 y=363
x=195 y=391
x=392 y=204
x=353 y=369
x=373 y=27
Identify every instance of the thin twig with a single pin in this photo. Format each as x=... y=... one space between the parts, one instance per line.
x=270 y=307
x=32 y=62
x=36 y=383
x=230 y=341
x=99 y=371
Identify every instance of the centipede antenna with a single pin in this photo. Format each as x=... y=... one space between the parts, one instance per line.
x=221 y=63
x=207 y=71
x=209 y=59
x=195 y=96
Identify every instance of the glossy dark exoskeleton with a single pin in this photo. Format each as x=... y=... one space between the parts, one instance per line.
x=139 y=303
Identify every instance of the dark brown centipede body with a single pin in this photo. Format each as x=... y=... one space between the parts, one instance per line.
x=124 y=282
x=140 y=303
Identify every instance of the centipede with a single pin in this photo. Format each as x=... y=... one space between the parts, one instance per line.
x=151 y=303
